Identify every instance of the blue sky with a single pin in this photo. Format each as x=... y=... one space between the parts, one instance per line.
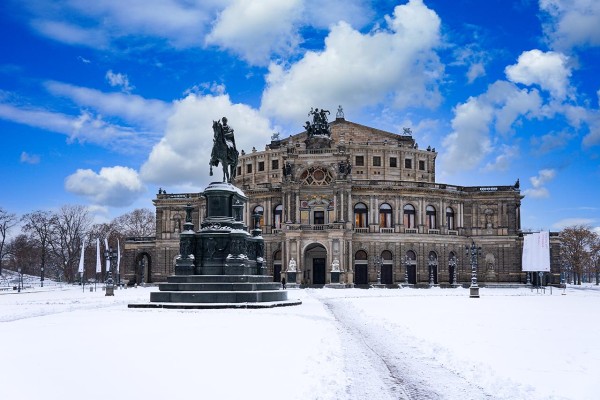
x=102 y=102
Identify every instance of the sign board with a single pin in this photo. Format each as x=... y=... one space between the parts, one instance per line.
x=536 y=252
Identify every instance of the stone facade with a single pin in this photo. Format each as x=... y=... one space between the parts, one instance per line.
x=364 y=199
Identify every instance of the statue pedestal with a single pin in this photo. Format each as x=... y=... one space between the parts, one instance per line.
x=291 y=277
x=335 y=276
x=184 y=267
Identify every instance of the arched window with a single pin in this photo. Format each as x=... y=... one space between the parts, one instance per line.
x=386 y=255
x=277 y=216
x=411 y=256
x=361 y=255
x=360 y=215
x=259 y=210
x=450 y=218
x=409 y=216
x=430 y=213
x=385 y=216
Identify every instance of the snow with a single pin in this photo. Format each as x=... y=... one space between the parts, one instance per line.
x=60 y=342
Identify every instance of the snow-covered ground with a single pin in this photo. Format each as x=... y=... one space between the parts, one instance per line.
x=59 y=342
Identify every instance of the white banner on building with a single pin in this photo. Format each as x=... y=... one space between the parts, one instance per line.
x=80 y=270
x=98 y=265
x=536 y=252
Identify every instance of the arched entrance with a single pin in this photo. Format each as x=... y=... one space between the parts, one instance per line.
x=143 y=269
x=411 y=267
x=386 y=268
x=315 y=260
x=277 y=266
x=361 y=276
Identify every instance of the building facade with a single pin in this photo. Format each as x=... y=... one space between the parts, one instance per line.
x=361 y=201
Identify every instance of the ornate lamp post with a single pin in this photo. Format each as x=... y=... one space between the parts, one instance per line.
x=42 y=276
x=110 y=256
x=377 y=260
x=405 y=263
x=473 y=252
x=431 y=264
x=19 y=279
x=142 y=266
x=452 y=263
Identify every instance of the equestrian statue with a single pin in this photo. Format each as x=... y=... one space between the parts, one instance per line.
x=224 y=150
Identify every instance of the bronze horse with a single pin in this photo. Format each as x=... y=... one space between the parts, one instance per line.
x=224 y=150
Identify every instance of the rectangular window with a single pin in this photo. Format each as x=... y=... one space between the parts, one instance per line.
x=239 y=170
x=261 y=165
x=421 y=165
x=248 y=168
x=360 y=161
x=274 y=164
x=376 y=161
x=393 y=162
x=319 y=217
x=408 y=163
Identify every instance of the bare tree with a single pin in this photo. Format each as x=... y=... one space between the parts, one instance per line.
x=69 y=226
x=576 y=242
x=7 y=221
x=24 y=253
x=139 y=222
x=39 y=227
x=595 y=256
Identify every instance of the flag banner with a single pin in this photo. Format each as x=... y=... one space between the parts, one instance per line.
x=107 y=259
x=118 y=255
x=81 y=258
x=536 y=252
x=98 y=263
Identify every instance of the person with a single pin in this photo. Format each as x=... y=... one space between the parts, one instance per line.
x=283 y=282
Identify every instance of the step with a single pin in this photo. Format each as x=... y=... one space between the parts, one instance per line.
x=218 y=296
x=214 y=287
x=219 y=279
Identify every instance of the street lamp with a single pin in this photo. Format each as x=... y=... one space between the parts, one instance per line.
x=473 y=252
x=142 y=271
x=42 y=276
x=19 y=279
x=405 y=263
x=431 y=264
x=452 y=263
x=110 y=256
x=378 y=261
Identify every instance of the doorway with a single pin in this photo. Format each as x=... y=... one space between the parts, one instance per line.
x=318 y=271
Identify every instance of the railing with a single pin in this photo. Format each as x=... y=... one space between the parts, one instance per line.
x=386 y=230
x=433 y=231
x=410 y=230
x=361 y=230
x=141 y=239
x=316 y=227
x=454 y=233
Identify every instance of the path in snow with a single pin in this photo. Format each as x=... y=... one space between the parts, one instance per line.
x=382 y=364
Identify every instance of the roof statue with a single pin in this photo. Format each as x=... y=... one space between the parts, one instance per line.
x=224 y=150
x=318 y=132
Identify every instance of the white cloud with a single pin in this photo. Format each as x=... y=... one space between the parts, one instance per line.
x=397 y=66
x=568 y=222
x=551 y=141
x=571 y=23
x=475 y=71
x=151 y=114
x=29 y=158
x=538 y=190
x=470 y=141
x=112 y=186
x=182 y=156
x=102 y=22
x=504 y=160
x=84 y=127
x=119 y=80
x=256 y=29
x=549 y=70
